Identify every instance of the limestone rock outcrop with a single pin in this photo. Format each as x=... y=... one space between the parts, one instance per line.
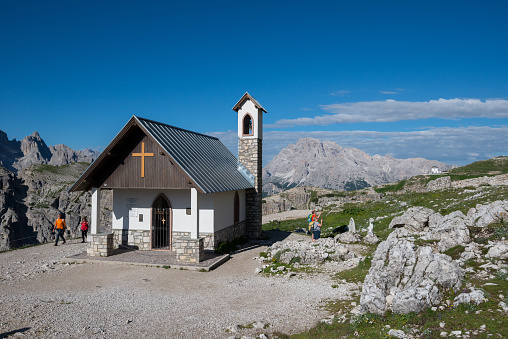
x=474 y=296
x=439 y=184
x=348 y=238
x=406 y=278
x=415 y=219
x=309 y=253
x=499 y=250
x=450 y=230
x=483 y=215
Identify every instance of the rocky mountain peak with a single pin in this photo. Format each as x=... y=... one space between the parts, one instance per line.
x=18 y=155
x=312 y=162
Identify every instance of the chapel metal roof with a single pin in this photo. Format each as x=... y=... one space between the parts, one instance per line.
x=203 y=158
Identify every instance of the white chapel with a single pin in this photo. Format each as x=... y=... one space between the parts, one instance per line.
x=177 y=190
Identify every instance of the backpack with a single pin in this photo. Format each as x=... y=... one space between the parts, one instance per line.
x=310 y=222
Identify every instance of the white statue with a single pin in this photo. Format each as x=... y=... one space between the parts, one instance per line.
x=352 y=227
x=370 y=229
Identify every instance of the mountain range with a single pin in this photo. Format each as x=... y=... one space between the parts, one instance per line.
x=18 y=155
x=32 y=192
x=325 y=164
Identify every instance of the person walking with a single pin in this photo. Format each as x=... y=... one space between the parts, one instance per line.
x=84 y=228
x=60 y=227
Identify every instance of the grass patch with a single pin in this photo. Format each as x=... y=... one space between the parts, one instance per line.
x=455 y=252
x=484 y=167
x=356 y=274
x=391 y=188
x=231 y=246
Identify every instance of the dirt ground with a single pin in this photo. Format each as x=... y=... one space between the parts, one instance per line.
x=42 y=297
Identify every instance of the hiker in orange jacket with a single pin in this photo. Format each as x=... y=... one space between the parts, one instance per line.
x=60 y=227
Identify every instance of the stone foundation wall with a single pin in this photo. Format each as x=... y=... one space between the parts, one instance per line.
x=99 y=245
x=136 y=239
x=188 y=250
x=212 y=240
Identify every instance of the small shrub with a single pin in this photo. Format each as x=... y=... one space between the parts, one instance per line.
x=455 y=252
x=295 y=260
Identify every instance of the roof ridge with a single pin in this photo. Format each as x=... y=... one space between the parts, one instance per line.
x=178 y=128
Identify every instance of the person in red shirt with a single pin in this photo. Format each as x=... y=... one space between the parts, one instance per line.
x=84 y=228
x=60 y=227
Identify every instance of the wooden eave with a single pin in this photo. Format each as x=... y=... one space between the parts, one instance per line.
x=245 y=97
x=94 y=175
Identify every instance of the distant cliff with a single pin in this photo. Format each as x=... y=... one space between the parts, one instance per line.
x=18 y=155
x=34 y=180
x=325 y=164
x=31 y=199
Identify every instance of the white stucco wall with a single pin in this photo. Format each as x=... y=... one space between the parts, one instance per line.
x=257 y=117
x=216 y=209
x=224 y=208
x=179 y=199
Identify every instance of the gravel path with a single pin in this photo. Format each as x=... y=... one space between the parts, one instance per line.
x=42 y=298
x=286 y=215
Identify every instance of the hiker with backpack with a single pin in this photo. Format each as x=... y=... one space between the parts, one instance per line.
x=311 y=219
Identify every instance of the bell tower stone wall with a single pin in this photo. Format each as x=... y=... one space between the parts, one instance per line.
x=250 y=155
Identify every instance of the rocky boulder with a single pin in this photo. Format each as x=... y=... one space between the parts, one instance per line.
x=450 y=230
x=415 y=219
x=406 y=278
x=439 y=184
x=348 y=238
x=307 y=252
x=499 y=250
x=371 y=239
x=472 y=297
x=484 y=215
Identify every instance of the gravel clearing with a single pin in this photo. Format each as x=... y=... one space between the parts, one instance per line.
x=43 y=298
x=286 y=215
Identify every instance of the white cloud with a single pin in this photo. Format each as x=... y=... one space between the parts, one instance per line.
x=449 y=145
x=340 y=93
x=392 y=110
x=387 y=92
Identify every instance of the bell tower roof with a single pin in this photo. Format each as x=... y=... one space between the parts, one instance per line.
x=245 y=97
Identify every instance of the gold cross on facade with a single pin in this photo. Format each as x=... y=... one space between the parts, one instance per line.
x=142 y=155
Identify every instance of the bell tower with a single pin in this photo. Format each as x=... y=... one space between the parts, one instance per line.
x=250 y=155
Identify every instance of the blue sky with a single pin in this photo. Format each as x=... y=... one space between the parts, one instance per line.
x=405 y=78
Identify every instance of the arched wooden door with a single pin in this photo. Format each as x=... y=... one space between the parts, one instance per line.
x=161 y=223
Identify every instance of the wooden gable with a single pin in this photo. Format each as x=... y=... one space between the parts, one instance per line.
x=143 y=164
